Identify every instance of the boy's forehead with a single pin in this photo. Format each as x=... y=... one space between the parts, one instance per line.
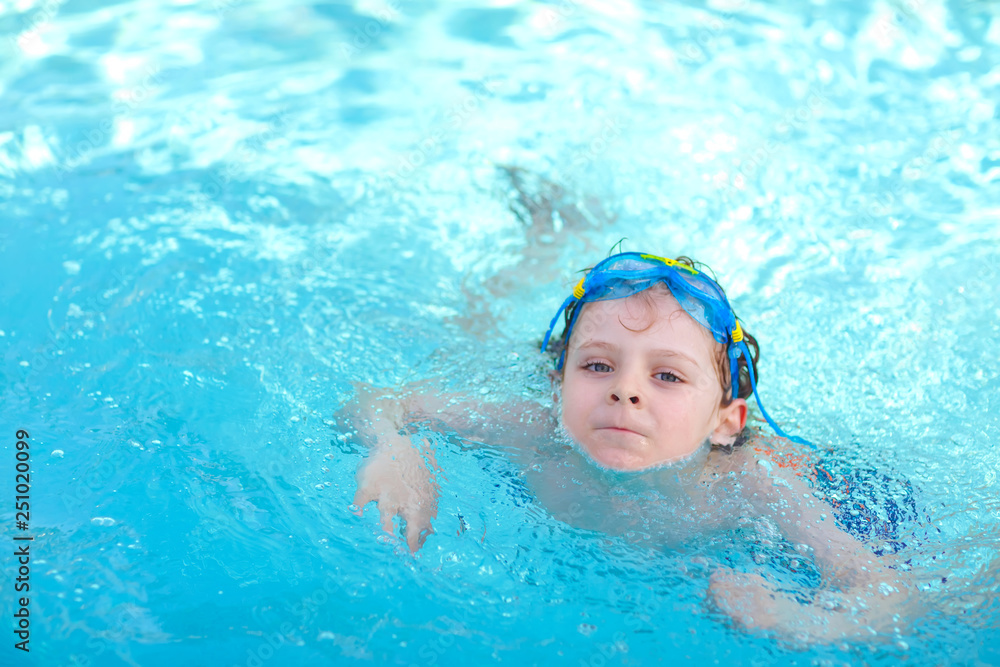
x=648 y=308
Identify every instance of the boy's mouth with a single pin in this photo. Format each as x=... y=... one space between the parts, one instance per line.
x=619 y=429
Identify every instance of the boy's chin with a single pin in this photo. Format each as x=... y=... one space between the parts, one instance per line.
x=616 y=458
x=625 y=459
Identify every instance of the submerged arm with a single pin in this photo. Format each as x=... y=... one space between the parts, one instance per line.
x=400 y=475
x=862 y=594
x=397 y=474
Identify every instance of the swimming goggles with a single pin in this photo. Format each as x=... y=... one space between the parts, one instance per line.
x=699 y=295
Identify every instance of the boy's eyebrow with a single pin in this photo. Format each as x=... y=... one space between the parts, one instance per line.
x=598 y=343
x=611 y=347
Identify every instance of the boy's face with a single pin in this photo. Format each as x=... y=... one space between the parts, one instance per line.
x=640 y=385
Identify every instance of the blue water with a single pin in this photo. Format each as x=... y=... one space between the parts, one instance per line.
x=217 y=216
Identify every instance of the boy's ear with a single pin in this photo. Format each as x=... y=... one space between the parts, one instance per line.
x=732 y=419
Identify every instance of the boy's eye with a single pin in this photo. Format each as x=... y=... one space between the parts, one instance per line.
x=598 y=367
x=667 y=377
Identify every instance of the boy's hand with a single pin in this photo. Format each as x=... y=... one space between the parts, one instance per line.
x=399 y=478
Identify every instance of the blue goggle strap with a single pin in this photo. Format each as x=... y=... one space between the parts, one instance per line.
x=555 y=320
x=569 y=331
x=753 y=383
x=734 y=366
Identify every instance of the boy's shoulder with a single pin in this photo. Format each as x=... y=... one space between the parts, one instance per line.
x=760 y=457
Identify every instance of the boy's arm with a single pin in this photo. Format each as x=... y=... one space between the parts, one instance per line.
x=780 y=494
x=865 y=593
x=397 y=474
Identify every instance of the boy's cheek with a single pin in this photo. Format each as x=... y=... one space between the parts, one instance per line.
x=570 y=419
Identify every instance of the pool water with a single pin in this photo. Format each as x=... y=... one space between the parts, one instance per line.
x=215 y=217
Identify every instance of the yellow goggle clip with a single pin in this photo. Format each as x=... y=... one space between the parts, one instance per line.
x=671 y=262
x=737 y=332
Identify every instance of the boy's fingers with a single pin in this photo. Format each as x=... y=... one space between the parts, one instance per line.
x=416 y=536
x=387 y=516
x=362 y=497
x=412 y=536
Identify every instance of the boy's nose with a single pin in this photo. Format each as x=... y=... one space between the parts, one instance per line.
x=618 y=395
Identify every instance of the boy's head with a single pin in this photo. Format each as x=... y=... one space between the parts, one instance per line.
x=654 y=362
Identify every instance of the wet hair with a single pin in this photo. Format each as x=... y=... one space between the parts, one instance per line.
x=558 y=346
